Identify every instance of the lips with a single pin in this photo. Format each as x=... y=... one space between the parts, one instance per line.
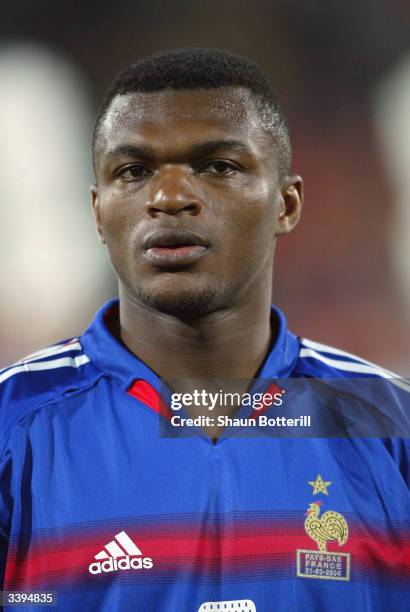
x=174 y=248
x=172 y=238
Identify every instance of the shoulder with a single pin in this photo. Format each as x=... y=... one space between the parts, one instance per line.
x=368 y=400
x=323 y=361
x=40 y=378
x=357 y=380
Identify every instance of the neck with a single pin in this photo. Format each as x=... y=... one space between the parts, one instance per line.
x=230 y=343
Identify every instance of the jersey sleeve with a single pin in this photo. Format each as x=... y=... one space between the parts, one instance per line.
x=6 y=507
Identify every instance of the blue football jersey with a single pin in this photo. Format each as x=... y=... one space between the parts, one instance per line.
x=102 y=509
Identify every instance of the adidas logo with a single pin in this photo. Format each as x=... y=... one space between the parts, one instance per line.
x=120 y=554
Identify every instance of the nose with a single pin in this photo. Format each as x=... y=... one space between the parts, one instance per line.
x=172 y=193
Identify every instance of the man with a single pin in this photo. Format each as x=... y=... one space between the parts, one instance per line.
x=105 y=503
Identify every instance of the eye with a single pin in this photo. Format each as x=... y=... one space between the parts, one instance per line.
x=134 y=172
x=220 y=167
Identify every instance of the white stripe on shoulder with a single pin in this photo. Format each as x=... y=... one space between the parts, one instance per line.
x=324 y=348
x=64 y=362
x=356 y=367
x=55 y=349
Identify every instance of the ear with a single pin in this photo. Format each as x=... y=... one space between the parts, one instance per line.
x=95 y=201
x=290 y=207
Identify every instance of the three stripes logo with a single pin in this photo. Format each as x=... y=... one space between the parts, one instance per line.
x=120 y=554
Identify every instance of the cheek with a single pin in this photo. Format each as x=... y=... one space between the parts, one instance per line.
x=253 y=220
x=116 y=215
x=116 y=220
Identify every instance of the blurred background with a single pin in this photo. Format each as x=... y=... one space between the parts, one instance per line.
x=342 y=70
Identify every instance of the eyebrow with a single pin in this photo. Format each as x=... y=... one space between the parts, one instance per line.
x=198 y=150
x=206 y=148
x=129 y=150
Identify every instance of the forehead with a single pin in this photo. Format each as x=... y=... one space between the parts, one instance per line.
x=173 y=116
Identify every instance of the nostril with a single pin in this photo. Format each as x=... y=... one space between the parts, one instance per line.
x=154 y=211
x=192 y=208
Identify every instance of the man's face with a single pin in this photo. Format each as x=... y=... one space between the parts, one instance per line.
x=188 y=198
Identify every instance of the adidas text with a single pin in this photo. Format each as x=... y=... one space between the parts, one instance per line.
x=126 y=563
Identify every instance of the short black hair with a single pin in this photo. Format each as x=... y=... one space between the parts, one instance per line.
x=197 y=68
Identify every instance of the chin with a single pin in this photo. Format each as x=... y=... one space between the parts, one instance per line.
x=182 y=304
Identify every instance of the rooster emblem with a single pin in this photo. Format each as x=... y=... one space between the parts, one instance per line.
x=330 y=526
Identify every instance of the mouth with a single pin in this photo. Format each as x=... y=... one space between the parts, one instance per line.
x=174 y=248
